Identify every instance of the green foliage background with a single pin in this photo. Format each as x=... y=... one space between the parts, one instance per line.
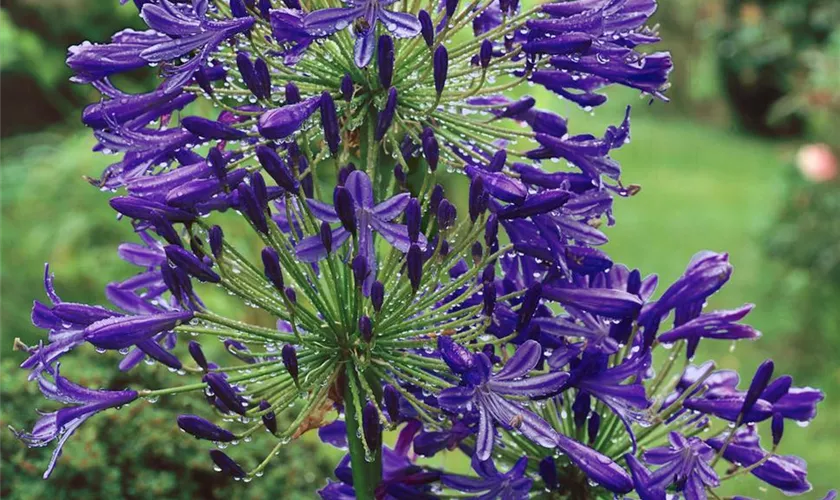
x=705 y=185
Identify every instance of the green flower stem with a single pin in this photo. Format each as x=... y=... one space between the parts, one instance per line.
x=366 y=464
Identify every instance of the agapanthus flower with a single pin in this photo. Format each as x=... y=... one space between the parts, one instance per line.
x=497 y=328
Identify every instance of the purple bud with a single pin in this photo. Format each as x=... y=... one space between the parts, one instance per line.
x=276 y=168
x=165 y=229
x=197 y=354
x=477 y=198
x=269 y=418
x=392 y=402
x=263 y=78
x=489 y=350
x=343 y=173
x=593 y=426
x=491 y=232
x=441 y=68
x=435 y=198
x=385 y=60
x=536 y=204
x=291 y=294
x=279 y=123
x=498 y=161
x=455 y=355
x=225 y=392
x=293 y=4
x=238 y=8
x=204 y=429
x=488 y=275
x=427 y=27
x=634 y=282
x=601 y=301
x=290 y=361
x=386 y=116
x=580 y=408
x=216 y=237
x=451 y=7
x=222 y=461
x=147 y=210
x=292 y=94
x=777 y=428
x=477 y=252
x=485 y=53
x=399 y=175
x=191 y=264
x=365 y=328
x=347 y=87
x=306 y=181
x=249 y=75
x=345 y=208
x=759 y=382
x=444 y=248
x=414 y=264
x=218 y=163
x=377 y=295
x=518 y=107
x=370 y=425
x=329 y=120
x=260 y=189
x=446 y=214
x=548 y=473
x=211 y=129
x=431 y=149
x=265 y=8
x=360 y=269
x=489 y=298
x=326 y=236
x=251 y=207
x=530 y=302
x=271 y=264
x=413 y=218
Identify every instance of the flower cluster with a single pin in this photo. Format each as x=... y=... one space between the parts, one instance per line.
x=500 y=330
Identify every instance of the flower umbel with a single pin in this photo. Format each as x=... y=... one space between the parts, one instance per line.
x=487 y=322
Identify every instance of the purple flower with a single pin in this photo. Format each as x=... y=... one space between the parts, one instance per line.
x=586 y=152
x=628 y=401
x=715 y=325
x=684 y=464
x=63 y=423
x=278 y=123
x=785 y=472
x=368 y=218
x=487 y=392
x=288 y=28
x=362 y=15
x=513 y=484
x=401 y=477
x=592 y=44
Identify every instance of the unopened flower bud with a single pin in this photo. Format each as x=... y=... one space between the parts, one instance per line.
x=377 y=295
x=204 y=429
x=271 y=265
x=440 y=68
x=216 y=237
x=365 y=328
x=427 y=27
x=385 y=60
x=224 y=462
x=290 y=360
x=485 y=53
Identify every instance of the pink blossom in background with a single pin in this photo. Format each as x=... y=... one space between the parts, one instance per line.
x=817 y=162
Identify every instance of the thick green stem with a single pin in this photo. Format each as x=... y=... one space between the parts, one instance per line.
x=366 y=466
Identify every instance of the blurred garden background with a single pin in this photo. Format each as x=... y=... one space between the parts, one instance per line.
x=743 y=159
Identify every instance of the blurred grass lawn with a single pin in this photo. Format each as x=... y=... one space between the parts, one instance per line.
x=702 y=188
